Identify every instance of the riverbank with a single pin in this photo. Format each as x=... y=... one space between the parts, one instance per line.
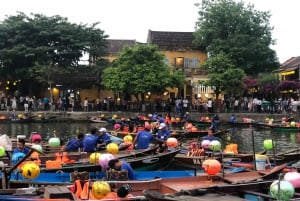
x=85 y=116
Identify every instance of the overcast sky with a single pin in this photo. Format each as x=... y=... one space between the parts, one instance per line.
x=131 y=19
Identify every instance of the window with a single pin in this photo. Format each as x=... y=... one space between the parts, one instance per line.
x=179 y=62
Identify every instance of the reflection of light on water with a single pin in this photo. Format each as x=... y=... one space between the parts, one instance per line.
x=298 y=138
x=293 y=137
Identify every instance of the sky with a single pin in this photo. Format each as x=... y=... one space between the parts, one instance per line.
x=132 y=19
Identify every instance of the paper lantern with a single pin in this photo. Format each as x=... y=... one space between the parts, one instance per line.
x=282 y=190
x=207 y=118
x=2 y=151
x=104 y=159
x=215 y=145
x=211 y=166
x=38 y=147
x=205 y=144
x=284 y=119
x=293 y=124
x=54 y=142
x=172 y=142
x=112 y=148
x=127 y=138
x=268 y=144
x=30 y=170
x=17 y=156
x=293 y=178
x=100 y=189
x=94 y=157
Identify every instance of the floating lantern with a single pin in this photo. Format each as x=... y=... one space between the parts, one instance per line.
x=205 y=144
x=215 y=145
x=172 y=142
x=30 y=170
x=104 y=159
x=54 y=142
x=112 y=148
x=211 y=166
x=293 y=178
x=94 y=157
x=100 y=189
x=282 y=190
x=268 y=144
x=2 y=151
x=127 y=138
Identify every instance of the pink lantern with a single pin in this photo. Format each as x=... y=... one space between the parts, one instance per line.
x=172 y=142
x=205 y=144
x=293 y=178
x=104 y=159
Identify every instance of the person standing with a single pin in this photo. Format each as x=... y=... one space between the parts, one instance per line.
x=90 y=141
x=86 y=104
x=143 y=138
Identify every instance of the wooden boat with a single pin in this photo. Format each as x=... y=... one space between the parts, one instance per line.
x=98 y=120
x=284 y=128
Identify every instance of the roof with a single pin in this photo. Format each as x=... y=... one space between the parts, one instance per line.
x=116 y=46
x=290 y=64
x=167 y=40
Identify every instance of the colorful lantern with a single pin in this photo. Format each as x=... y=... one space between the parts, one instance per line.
x=205 y=144
x=268 y=144
x=100 y=189
x=127 y=138
x=211 y=166
x=215 y=145
x=30 y=170
x=37 y=147
x=282 y=190
x=172 y=142
x=293 y=178
x=104 y=159
x=94 y=157
x=293 y=124
x=54 y=142
x=2 y=151
x=112 y=148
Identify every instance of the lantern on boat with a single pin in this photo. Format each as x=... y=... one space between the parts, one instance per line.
x=16 y=157
x=94 y=157
x=293 y=178
x=54 y=142
x=114 y=116
x=205 y=144
x=127 y=138
x=268 y=144
x=172 y=142
x=283 y=119
x=104 y=159
x=112 y=148
x=211 y=166
x=206 y=118
x=37 y=147
x=30 y=170
x=100 y=189
x=293 y=124
x=282 y=190
x=2 y=151
x=215 y=145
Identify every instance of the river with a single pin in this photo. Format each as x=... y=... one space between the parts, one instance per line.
x=241 y=135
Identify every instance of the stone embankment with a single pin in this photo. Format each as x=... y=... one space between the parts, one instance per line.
x=83 y=116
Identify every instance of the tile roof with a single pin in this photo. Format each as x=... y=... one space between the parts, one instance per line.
x=290 y=64
x=115 y=46
x=167 y=40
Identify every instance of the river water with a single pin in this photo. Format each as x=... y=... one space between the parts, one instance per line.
x=243 y=136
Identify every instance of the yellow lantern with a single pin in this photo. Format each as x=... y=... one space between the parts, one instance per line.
x=100 y=189
x=112 y=148
x=94 y=157
x=30 y=170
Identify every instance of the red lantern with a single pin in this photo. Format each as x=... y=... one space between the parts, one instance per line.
x=211 y=166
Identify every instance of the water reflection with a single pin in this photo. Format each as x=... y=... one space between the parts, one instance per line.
x=240 y=135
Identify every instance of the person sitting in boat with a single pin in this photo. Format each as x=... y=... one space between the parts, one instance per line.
x=232 y=119
x=143 y=138
x=124 y=191
x=74 y=144
x=119 y=165
x=213 y=126
x=90 y=141
x=162 y=135
x=103 y=138
x=21 y=147
x=210 y=136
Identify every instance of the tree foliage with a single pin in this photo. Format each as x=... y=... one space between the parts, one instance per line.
x=240 y=31
x=35 y=44
x=268 y=84
x=138 y=70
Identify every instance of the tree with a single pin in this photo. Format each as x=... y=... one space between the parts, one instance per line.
x=35 y=44
x=138 y=70
x=240 y=31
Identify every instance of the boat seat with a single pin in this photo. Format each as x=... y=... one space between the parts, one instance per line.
x=83 y=176
x=112 y=175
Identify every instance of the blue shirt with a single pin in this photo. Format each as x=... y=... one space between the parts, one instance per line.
x=210 y=138
x=90 y=143
x=232 y=119
x=130 y=171
x=163 y=134
x=143 y=139
x=74 y=144
x=25 y=150
x=104 y=138
x=213 y=126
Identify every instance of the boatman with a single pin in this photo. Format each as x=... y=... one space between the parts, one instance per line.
x=143 y=138
x=90 y=141
x=103 y=138
x=122 y=165
x=21 y=147
x=75 y=144
x=162 y=135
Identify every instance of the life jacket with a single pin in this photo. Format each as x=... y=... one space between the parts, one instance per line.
x=78 y=187
x=86 y=193
x=125 y=129
x=128 y=148
x=112 y=196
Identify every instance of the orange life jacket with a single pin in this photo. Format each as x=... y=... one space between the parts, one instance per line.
x=86 y=193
